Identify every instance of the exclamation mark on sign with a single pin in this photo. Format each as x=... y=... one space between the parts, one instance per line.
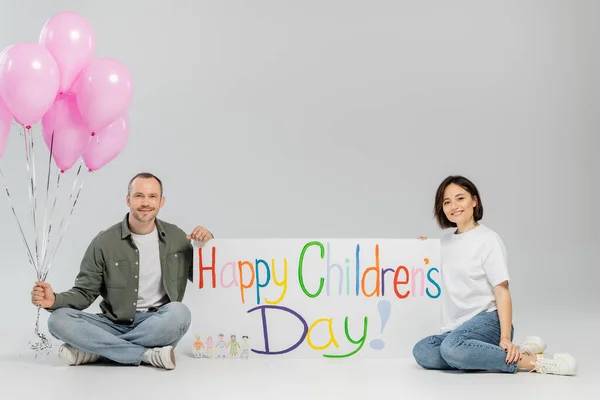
x=384 y=308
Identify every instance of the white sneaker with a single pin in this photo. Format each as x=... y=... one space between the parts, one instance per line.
x=532 y=345
x=160 y=357
x=559 y=364
x=71 y=356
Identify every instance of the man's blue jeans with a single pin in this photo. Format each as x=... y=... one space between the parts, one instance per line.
x=124 y=344
x=473 y=346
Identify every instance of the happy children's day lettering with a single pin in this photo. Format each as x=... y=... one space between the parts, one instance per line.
x=259 y=273
x=317 y=275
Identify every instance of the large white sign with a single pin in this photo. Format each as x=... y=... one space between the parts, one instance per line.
x=332 y=298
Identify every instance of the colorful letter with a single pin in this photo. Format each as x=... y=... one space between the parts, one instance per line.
x=434 y=283
x=383 y=272
x=331 y=335
x=233 y=275
x=377 y=270
x=347 y=277
x=242 y=284
x=300 y=266
x=266 y=335
x=415 y=273
x=357 y=268
x=258 y=283
x=329 y=268
x=360 y=342
x=212 y=268
x=397 y=282
x=282 y=283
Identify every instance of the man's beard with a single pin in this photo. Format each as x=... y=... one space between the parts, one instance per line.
x=143 y=218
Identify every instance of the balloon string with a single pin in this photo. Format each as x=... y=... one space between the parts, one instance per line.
x=76 y=191
x=46 y=233
x=32 y=193
x=45 y=256
x=10 y=202
x=43 y=345
x=44 y=248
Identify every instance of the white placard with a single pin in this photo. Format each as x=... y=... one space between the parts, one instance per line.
x=331 y=298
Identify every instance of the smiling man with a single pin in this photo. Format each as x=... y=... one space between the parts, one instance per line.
x=140 y=267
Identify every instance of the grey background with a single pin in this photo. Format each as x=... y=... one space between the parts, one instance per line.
x=339 y=119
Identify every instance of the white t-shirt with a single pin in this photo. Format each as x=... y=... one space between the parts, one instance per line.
x=472 y=263
x=151 y=292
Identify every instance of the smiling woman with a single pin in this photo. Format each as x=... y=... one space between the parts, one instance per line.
x=477 y=329
x=458 y=204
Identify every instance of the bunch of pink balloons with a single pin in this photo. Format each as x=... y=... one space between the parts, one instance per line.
x=80 y=101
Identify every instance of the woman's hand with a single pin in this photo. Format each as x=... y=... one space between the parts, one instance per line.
x=513 y=353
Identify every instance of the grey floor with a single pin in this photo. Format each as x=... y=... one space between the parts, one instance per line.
x=24 y=377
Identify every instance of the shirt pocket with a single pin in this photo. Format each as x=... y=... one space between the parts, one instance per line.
x=117 y=274
x=177 y=265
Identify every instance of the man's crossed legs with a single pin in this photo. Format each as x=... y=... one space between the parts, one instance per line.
x=150 y=339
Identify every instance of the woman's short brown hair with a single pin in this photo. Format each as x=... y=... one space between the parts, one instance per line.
x=438 y=210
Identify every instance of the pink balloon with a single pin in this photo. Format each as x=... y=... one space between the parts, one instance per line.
x=70 y=39
x=29 y=80
x=104 y=92
x=71 y=135
x=4 y=51
x=107 y=144
x=6 y=119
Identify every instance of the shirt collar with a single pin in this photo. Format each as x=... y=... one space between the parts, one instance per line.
x=126 y=232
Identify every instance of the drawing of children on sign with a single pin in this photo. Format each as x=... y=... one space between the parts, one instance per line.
x=209 y=347
x=234 y=347
x=198 y=347
x=245 y=347
x=221 y=345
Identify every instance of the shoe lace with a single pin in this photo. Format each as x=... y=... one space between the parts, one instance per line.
x=544 y=366
x=156 y=359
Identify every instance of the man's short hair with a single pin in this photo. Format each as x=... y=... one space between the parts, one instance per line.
x=147 y=175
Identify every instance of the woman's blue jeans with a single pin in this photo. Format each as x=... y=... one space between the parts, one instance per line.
x=473 y=346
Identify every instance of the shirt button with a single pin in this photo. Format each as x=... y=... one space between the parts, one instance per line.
x=131 y=319
x=135 y=276
x=136 y=263
x=135 y=290
x=175 y=255
x=134 y=304
x=116 y=263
